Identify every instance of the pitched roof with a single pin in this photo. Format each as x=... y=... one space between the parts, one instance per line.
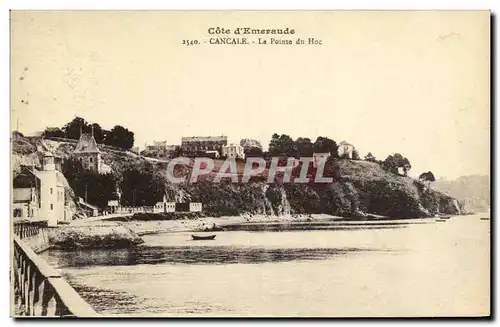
x=22 y=195
x=345 y=143
x=86 y=144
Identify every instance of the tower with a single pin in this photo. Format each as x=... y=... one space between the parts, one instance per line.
x=48 y=162
x=88 y=153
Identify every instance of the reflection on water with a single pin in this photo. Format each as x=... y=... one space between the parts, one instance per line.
x=312 y=269
x=187 y=255
x=324 y=225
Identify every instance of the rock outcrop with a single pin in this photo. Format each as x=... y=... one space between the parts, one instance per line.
x=105 y=235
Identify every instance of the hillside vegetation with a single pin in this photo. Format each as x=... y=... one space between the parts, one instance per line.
x=360 y=188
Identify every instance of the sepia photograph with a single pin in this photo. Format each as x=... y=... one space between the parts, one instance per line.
x=250 y=164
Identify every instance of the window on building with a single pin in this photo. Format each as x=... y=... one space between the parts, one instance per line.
x=90 y=159
x=18 y=212
x=51 y=206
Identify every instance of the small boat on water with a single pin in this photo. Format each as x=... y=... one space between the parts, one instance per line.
x=202 y=238
x=441 y=220
x=485 y=218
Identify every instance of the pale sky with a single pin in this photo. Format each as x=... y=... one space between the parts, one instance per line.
x=410 y=82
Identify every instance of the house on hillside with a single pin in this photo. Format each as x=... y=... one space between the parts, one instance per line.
x=345 y=150
x=39 y=194
x=159 y=150
x=200 y=145
x=233 y=151
x=89 y=155
x=26 y=195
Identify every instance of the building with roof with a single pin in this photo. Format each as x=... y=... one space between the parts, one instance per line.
x=89 y=155
x=160 y=150
x=39 y=194
x=345 y=150
x=235 y=151
x=199 y=145
x=90 y=210
x=26 y=195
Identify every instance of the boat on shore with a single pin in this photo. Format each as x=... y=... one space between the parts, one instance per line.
x=202 y=238
x=440 y=216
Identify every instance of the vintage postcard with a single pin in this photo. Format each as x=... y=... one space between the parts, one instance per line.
x=250 y=163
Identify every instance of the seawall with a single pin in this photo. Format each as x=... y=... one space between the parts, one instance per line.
x=37 y=289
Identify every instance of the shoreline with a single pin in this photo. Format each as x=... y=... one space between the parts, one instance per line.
x=206 y=224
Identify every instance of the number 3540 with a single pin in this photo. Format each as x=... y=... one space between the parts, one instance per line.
x=190 y=42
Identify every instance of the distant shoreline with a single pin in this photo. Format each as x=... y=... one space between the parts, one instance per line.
x=207 y=224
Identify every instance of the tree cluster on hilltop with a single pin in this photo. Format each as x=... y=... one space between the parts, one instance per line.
x=284 y=145
x=396 y=161
x=118 y=136
x=427 y=177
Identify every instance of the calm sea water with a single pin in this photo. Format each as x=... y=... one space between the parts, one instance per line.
x=398 y=268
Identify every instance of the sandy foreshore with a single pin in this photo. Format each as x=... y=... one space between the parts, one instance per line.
x=201 y=224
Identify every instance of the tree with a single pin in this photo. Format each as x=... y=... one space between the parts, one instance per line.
x=254 y=152
x=120 y=137
x=355 y=155
x=427 y=177
x=98 y=132
x=282 y=145
x=141 y=187
x=324 y=144
x=71 y=168
x=74 y=128
x=406 y=165
x=248 y=144
x=369 y=157
x=94 y=188
x=304 y=147
x=53 y=132
x=393 y=162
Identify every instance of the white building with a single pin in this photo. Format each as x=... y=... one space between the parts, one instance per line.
x=233 y=151
x=345 y=150
x=25 y=204
x=162 y=207
x=52 y=198
x=195 y=206
x=39 y=194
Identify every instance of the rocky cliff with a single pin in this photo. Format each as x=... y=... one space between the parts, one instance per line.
x=360 y=190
